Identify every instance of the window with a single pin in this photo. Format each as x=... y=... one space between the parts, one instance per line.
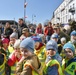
x=73 y=5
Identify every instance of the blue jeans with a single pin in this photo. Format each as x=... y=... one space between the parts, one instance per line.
x=47 y=38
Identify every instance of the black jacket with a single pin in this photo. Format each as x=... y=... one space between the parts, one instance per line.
x=8 y=32
x=20 y=27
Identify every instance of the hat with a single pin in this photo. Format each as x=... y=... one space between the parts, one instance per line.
x=54 y=35
x=5 y=40
x=37 y=38
x=17 y=43
x=25 y=30
x=63 y=39
x=14 y=35
x=70 y=46
x=73 y=33
x=28 y=43
x=51 y=45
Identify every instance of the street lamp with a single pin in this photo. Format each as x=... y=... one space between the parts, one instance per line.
x=25 y=4
x=33 y=16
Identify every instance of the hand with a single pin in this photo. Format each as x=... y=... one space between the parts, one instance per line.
x=22 y=59
x=17 y=54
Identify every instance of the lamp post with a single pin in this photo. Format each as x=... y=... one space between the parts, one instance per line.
x=25 y=10
x=33 y=16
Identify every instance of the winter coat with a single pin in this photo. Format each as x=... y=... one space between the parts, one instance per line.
x=20 y=29
x=31 y=64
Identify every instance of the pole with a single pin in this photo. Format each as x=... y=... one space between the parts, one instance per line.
x=33 y=16
x=14 y=21
x=32 y=19
x=24 y=11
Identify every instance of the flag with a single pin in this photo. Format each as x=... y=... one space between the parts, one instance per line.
x=25 y=4
x=26 y=16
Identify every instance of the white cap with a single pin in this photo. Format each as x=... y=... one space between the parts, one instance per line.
x=14 y=35
x=17 y=43
x=63 y=39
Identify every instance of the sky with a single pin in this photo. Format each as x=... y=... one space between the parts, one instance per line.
x=42 y=9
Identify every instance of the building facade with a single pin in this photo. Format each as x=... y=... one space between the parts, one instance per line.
x=65 y=12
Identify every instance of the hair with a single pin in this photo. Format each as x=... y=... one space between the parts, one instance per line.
x=21 y=19
x=40 y=25
x=49 y=23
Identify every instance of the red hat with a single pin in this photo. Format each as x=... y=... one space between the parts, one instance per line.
x=5 y=40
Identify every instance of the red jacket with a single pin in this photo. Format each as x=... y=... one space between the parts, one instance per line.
x=47 y=30
x=39 y=30
x=13 y=60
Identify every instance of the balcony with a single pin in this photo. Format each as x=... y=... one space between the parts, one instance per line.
x=72 y=10
x=62 y=9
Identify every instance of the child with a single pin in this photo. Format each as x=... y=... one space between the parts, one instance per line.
x=31 y=66
x=60 y=46
x=40 y=49
x=55 y=37
x=14 y=57
x=69 y=64
x=5 y=52
x=52 y=65
x=2 y=63
x=13 y=38
x=5 y=43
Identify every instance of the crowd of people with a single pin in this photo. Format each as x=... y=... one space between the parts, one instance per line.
x=37 y=51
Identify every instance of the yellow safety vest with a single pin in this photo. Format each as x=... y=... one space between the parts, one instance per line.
x=70 y=69
x=52 y=63
x=2 y=67
x=11 y=49
x=13 y=69
x=34 y=71
x=41 y=53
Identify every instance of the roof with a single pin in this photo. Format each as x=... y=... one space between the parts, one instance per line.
x=10 y=21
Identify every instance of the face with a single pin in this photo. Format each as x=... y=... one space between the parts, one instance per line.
x=37 y=45
x=7 y=25
x=55 y=39
x=5 y=45
x=68 y=53
x=63 y=42
x=51 y=52
x=25 y=52
x=26 y=34
x=12 y=41
x=57 y=30
x=17 y=49
x=20 y=22
x=73 y=39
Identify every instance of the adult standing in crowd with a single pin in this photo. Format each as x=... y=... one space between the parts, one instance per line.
x=1 y=29
x=8 y=30
x=48 y=31
x=21 y=26
x=25 y=33
x=61 y=33
x=39 y=29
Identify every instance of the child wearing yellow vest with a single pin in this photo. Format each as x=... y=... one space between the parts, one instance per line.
x=2 y=64
x=40 y=49
x=52 y=65
x=69 y=63
x=29 y=63
x=14 y=57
